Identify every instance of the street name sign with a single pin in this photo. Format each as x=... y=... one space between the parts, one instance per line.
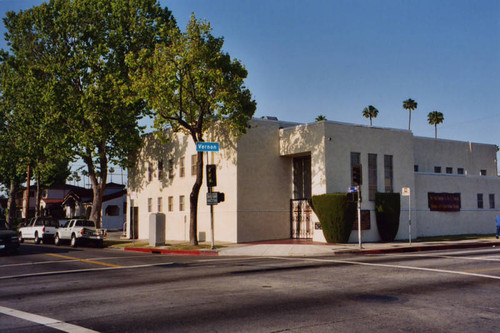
x=207 y=146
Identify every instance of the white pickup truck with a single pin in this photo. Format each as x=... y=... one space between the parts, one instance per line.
x=78 y=231
x=39 y=228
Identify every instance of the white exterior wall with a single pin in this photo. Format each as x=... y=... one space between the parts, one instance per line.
x=113 y=222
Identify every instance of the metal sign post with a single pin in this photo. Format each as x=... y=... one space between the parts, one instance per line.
x=359 y=217
x=405 y=192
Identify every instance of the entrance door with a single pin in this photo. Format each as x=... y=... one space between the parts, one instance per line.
x=300 y=211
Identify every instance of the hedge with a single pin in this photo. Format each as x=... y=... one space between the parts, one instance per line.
x=387 y=211
x=336 y=215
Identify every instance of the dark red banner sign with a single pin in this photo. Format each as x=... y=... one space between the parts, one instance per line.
x=444 y=202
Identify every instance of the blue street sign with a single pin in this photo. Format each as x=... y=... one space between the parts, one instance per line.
x=207 y=146
x=352 y=189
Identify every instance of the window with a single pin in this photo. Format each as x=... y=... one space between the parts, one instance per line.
x=480 y=200
x=181 y=203
x=437 y=169
x=160 y=169
x=170 y=204
x=150 y=172
x=355 y=162
x=302 y=177
x=449 y=170
x=415 y=168
x=372 y=176
x=170 y=168
x=150 y=205
x=492 y=201
x=483 y=173
x=160 y=204
x=182 y=169
x=388 y=173
x=112 y=210
x=193 y=164
x=460 y=171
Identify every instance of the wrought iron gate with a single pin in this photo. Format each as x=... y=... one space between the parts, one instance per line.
x=300 y=219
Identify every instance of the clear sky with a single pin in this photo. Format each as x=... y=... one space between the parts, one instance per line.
x=335 y=57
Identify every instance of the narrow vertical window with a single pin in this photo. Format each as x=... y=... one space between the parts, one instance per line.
x=160 y=204
x=492 y=201
x=415 y=168
x=181 y=203
x=170 y=204
x=193 y=164
x=160 y=169
x=372 y=176
x=182 y=168
x=480 y=203
x=170 y=168
x=388 y=173
x=150 y=205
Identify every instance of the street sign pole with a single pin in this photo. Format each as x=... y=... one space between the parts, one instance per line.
x=407 y=193
x=359 y=216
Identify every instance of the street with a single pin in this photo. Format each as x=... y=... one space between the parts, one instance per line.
x=49 y=289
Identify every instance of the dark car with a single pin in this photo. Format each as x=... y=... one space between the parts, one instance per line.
x=8 y=238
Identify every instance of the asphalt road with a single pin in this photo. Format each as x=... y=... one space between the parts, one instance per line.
x=51 y=289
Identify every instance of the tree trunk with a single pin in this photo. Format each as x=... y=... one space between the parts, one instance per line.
x=193 y=200
x=37 y=196
x=409 y=120
x=98 y=182
x=11 y=203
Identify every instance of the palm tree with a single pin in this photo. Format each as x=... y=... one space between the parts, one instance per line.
x=409 y=105
x=370 y=112
x=435 y=118
x=320 y=118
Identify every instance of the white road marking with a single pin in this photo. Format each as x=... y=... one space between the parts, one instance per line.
x=45 y=321
x=435 y=270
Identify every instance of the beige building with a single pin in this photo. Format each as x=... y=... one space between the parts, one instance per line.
x=268 y=174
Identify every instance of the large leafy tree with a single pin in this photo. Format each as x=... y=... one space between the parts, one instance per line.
x=409 y=105
x=370 y=112
x=82 y=46
x=435 y=118
x=190 y=84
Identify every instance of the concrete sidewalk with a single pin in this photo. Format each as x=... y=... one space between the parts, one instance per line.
x=290 y=248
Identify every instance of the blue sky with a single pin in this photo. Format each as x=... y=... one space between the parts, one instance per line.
x=307 y=58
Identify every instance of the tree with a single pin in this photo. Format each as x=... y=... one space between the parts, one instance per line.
x=82 y=46
x=320 y=118
x=370 y=112
x=190 y=84
x=435 y=118
x=409 y=105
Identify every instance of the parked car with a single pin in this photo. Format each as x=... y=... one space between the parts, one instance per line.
x=78 y=231
x=39 y=229
x=8 y=238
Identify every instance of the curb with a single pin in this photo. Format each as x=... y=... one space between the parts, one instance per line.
x=419 y=248
x=175 y=252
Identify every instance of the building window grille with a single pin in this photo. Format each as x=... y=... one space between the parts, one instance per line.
x=492 y=201
x=437 y=169
x=388 y=173
x=480 y=203
x=170 y=204
x=460 y=171
x=182 y=203
x=355 y=161
x=182 y=168
x=193 y=164
x=160 y=204
x=372 y=176
x=449 y=170
x=150 y=205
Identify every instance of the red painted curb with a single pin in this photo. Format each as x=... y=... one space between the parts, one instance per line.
x=176 y=252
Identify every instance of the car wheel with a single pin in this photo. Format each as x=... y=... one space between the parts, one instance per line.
x=73 y=241
x=37 y=239
x=20 y=237
x=57 y=241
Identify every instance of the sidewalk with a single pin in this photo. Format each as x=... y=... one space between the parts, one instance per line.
x=298 y=248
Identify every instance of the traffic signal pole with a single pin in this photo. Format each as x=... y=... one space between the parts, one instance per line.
x=359 y=216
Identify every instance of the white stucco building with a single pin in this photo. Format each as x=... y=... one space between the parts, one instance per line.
x=268 y=172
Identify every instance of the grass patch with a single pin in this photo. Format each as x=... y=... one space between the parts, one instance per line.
x=454 y=238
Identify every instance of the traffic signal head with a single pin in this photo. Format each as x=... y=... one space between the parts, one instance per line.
x=356 y=175
x=211 y=175
x=220 y=197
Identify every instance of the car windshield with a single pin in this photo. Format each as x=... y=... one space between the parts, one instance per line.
x=85 y=223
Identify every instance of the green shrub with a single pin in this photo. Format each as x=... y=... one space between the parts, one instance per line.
x=336 y=215
x=387 y=210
